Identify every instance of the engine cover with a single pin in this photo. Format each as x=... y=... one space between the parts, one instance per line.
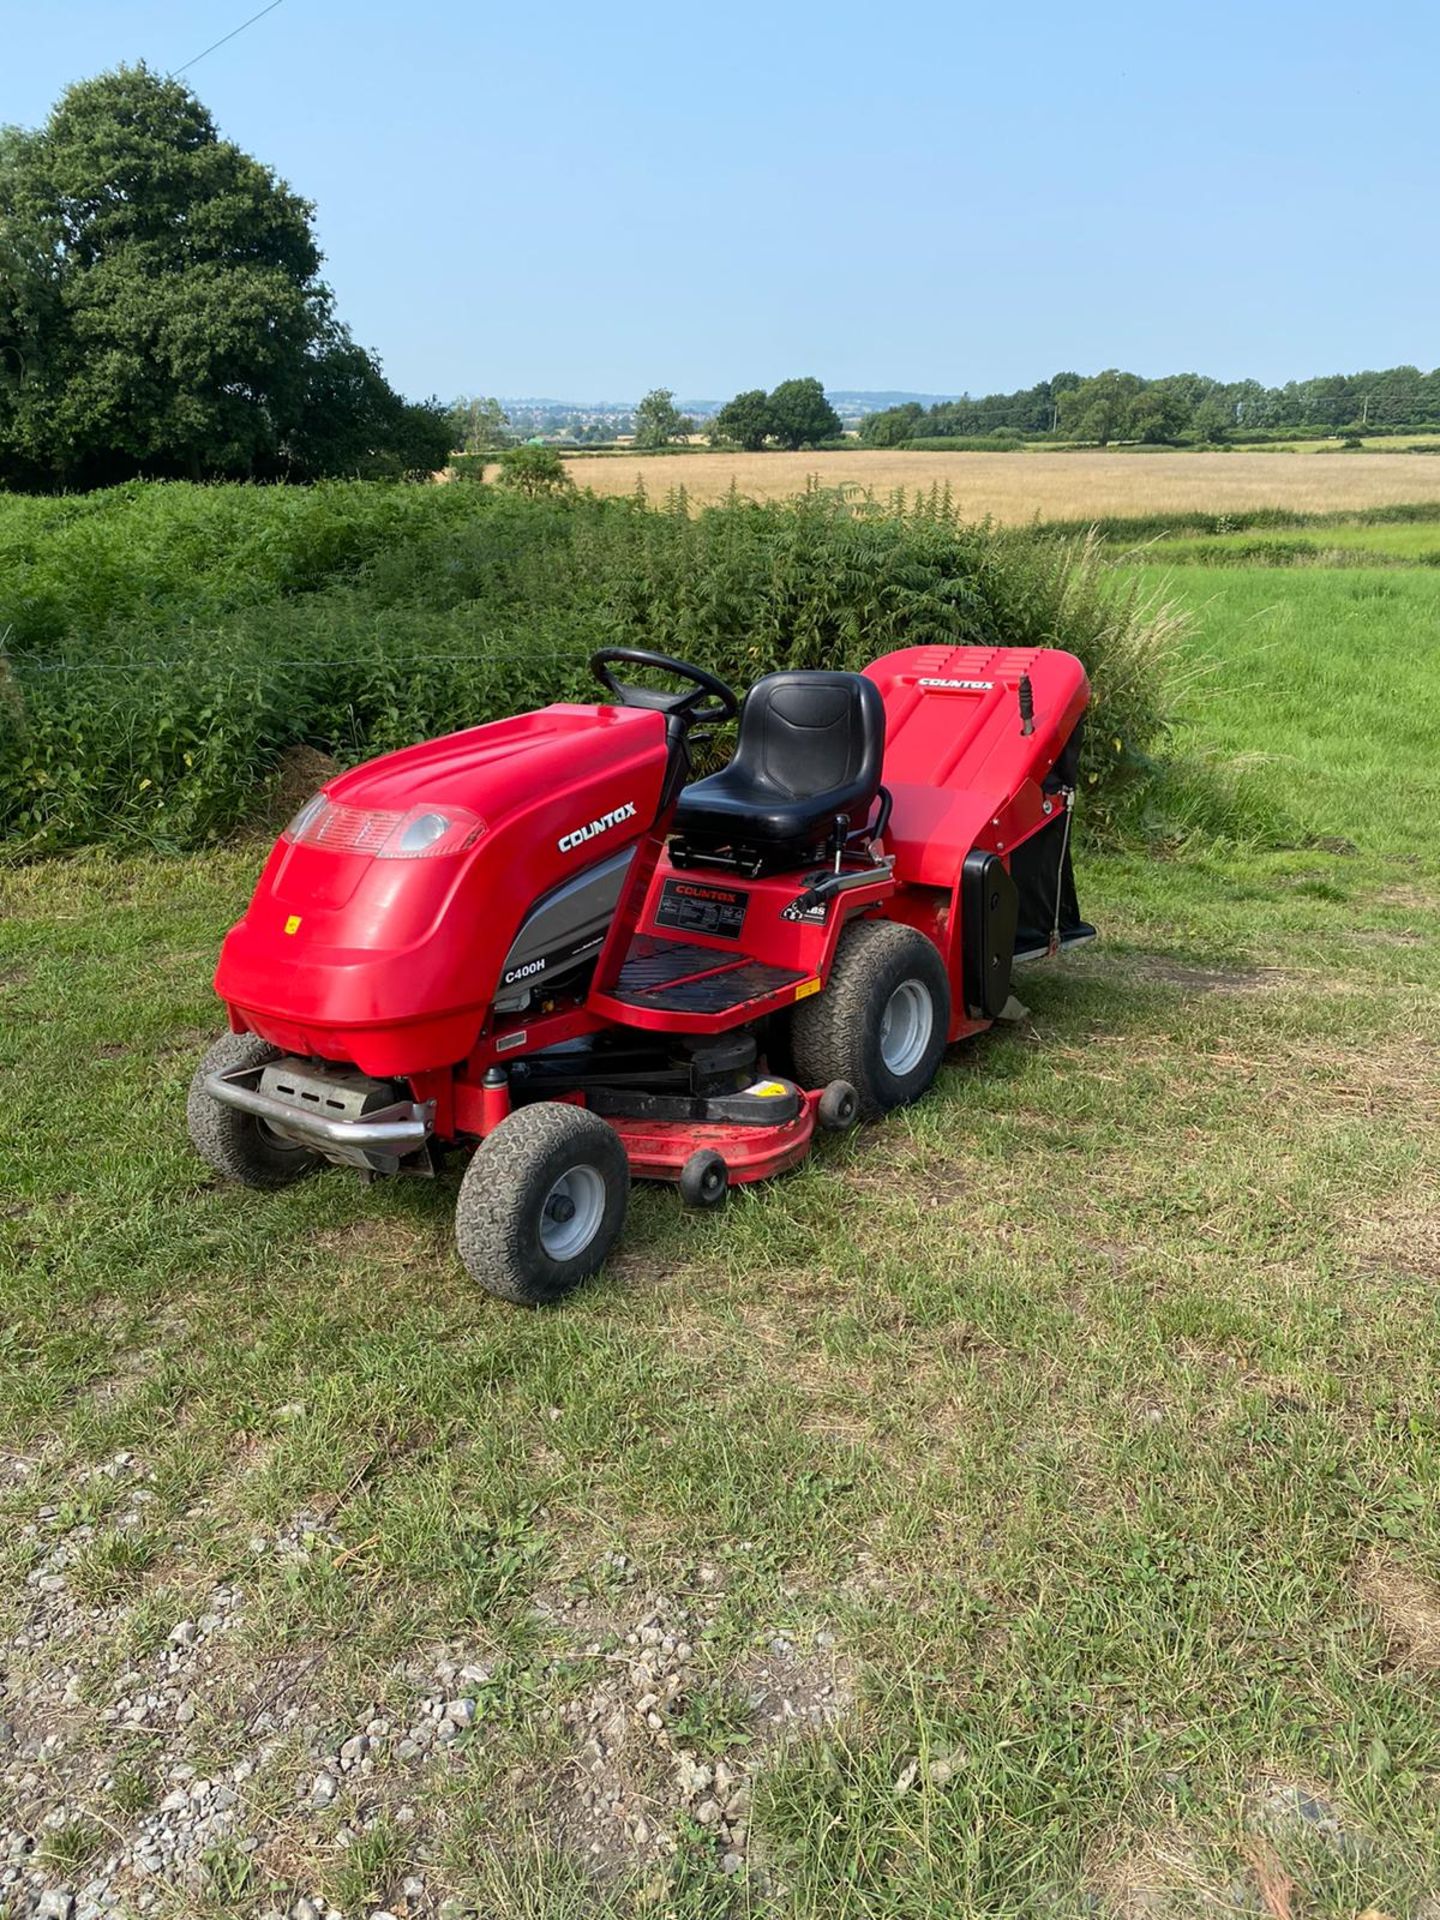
x=394 y=964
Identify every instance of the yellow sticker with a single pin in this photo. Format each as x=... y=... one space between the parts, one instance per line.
x=768 y=1089
x=292 y=925
x=807 y=987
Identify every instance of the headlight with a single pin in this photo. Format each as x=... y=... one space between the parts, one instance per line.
x=296 y=828
x=420 y=836
x=424 y=833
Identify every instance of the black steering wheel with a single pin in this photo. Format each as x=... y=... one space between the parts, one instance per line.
x=723 y=704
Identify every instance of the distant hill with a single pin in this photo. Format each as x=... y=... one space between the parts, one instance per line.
x=846 y=401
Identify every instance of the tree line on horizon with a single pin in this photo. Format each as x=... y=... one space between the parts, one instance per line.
x=792 y=415
x=1178 y=407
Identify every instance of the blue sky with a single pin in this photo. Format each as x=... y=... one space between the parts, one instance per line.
x=587 y=200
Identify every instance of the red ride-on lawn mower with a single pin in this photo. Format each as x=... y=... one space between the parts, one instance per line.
x=536 y=939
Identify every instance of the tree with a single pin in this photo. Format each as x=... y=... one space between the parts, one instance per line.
x=479 y=425
x=1214 y=417
x=352 y=422
x=743 y=422
x=801 y=416
x=658 y=421
x=161 y=310
x=894 y=426
x=1099 y=409
x=1163 y=410
x=537 y=472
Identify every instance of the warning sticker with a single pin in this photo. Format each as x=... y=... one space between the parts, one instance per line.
x=698 y=906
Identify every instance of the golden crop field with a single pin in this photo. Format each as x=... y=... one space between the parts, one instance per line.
x=1054 y=486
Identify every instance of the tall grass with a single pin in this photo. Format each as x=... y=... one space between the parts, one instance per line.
x=167 y=643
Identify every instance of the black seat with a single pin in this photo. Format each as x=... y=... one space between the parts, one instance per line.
x=811 y=747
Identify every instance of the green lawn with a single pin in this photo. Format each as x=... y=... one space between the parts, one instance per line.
x=1349 y=544
x=1065 y=1452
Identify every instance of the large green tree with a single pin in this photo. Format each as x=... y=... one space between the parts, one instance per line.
x=745 y=421
x=161 y=310
x=801 y=416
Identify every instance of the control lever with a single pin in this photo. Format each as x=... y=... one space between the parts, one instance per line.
x=826 y=885
x=839 y=834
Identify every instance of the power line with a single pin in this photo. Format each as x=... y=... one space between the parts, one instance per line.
x=195 y=59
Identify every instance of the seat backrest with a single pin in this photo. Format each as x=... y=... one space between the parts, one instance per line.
x=809 y=733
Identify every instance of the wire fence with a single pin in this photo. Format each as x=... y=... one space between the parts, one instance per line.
x=417 y=656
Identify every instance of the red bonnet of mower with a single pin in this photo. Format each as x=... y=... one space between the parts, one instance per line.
x=382 y=917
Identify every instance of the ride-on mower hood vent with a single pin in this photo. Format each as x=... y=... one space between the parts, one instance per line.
x=422 y=833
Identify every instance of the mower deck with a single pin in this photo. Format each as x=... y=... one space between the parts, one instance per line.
x=659 y=1149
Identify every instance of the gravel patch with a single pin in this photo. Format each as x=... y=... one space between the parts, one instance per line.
x=204 y=1768
x=646 y=1765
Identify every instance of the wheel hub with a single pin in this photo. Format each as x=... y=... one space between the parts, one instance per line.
x=906 y=1026
x=573 y=1211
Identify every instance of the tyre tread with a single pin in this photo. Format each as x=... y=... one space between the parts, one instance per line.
x=830 y=1032
x=490 y=1224
x=230 y=1142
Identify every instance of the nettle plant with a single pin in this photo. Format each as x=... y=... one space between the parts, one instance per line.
x=168 y=643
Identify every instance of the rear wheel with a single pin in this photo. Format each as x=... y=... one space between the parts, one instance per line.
x=882 y=1020
x=238 y=1145
x=542 y=1202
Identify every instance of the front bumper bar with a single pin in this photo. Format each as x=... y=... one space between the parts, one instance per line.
x=400 y=1129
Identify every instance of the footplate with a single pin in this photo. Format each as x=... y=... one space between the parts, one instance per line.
x=695 y=986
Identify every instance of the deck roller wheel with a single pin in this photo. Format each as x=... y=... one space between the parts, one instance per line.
x=839 y=1107
x=704 y=1179
x=542 y=1202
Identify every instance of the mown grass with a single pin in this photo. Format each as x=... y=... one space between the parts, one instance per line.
x=1336 y=544
x=1314 y=703
x=1091 y=1404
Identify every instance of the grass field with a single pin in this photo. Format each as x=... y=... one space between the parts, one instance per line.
x=1032 y=1508
x=1345 y=545
x=1372 y=443
x=1053 y=486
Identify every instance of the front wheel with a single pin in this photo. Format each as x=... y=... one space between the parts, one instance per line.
x=238 y=1145
x=542 y=1202
x=881 y=1022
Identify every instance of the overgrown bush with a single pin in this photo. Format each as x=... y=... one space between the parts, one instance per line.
x=166 y=643
x=1003 y=440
